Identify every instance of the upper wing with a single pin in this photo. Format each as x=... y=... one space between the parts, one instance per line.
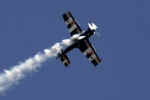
x=87 y=49
x=72 y=25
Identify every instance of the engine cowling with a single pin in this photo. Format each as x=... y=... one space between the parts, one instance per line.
x=92 y=26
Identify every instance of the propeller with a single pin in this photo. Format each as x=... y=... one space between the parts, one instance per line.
x=99 y=33
x=92 y=26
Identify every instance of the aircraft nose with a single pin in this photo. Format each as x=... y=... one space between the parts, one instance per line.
x=92 y=26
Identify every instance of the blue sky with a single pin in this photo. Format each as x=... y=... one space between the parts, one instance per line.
x=27 y=27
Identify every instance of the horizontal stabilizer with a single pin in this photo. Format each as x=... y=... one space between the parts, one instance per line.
x=64 y=58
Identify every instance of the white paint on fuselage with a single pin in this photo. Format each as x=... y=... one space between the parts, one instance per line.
x=77 y=37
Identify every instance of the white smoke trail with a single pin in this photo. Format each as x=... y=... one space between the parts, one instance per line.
x=12 y=76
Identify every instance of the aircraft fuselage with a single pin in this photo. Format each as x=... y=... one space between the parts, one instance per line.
x=77 y=41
